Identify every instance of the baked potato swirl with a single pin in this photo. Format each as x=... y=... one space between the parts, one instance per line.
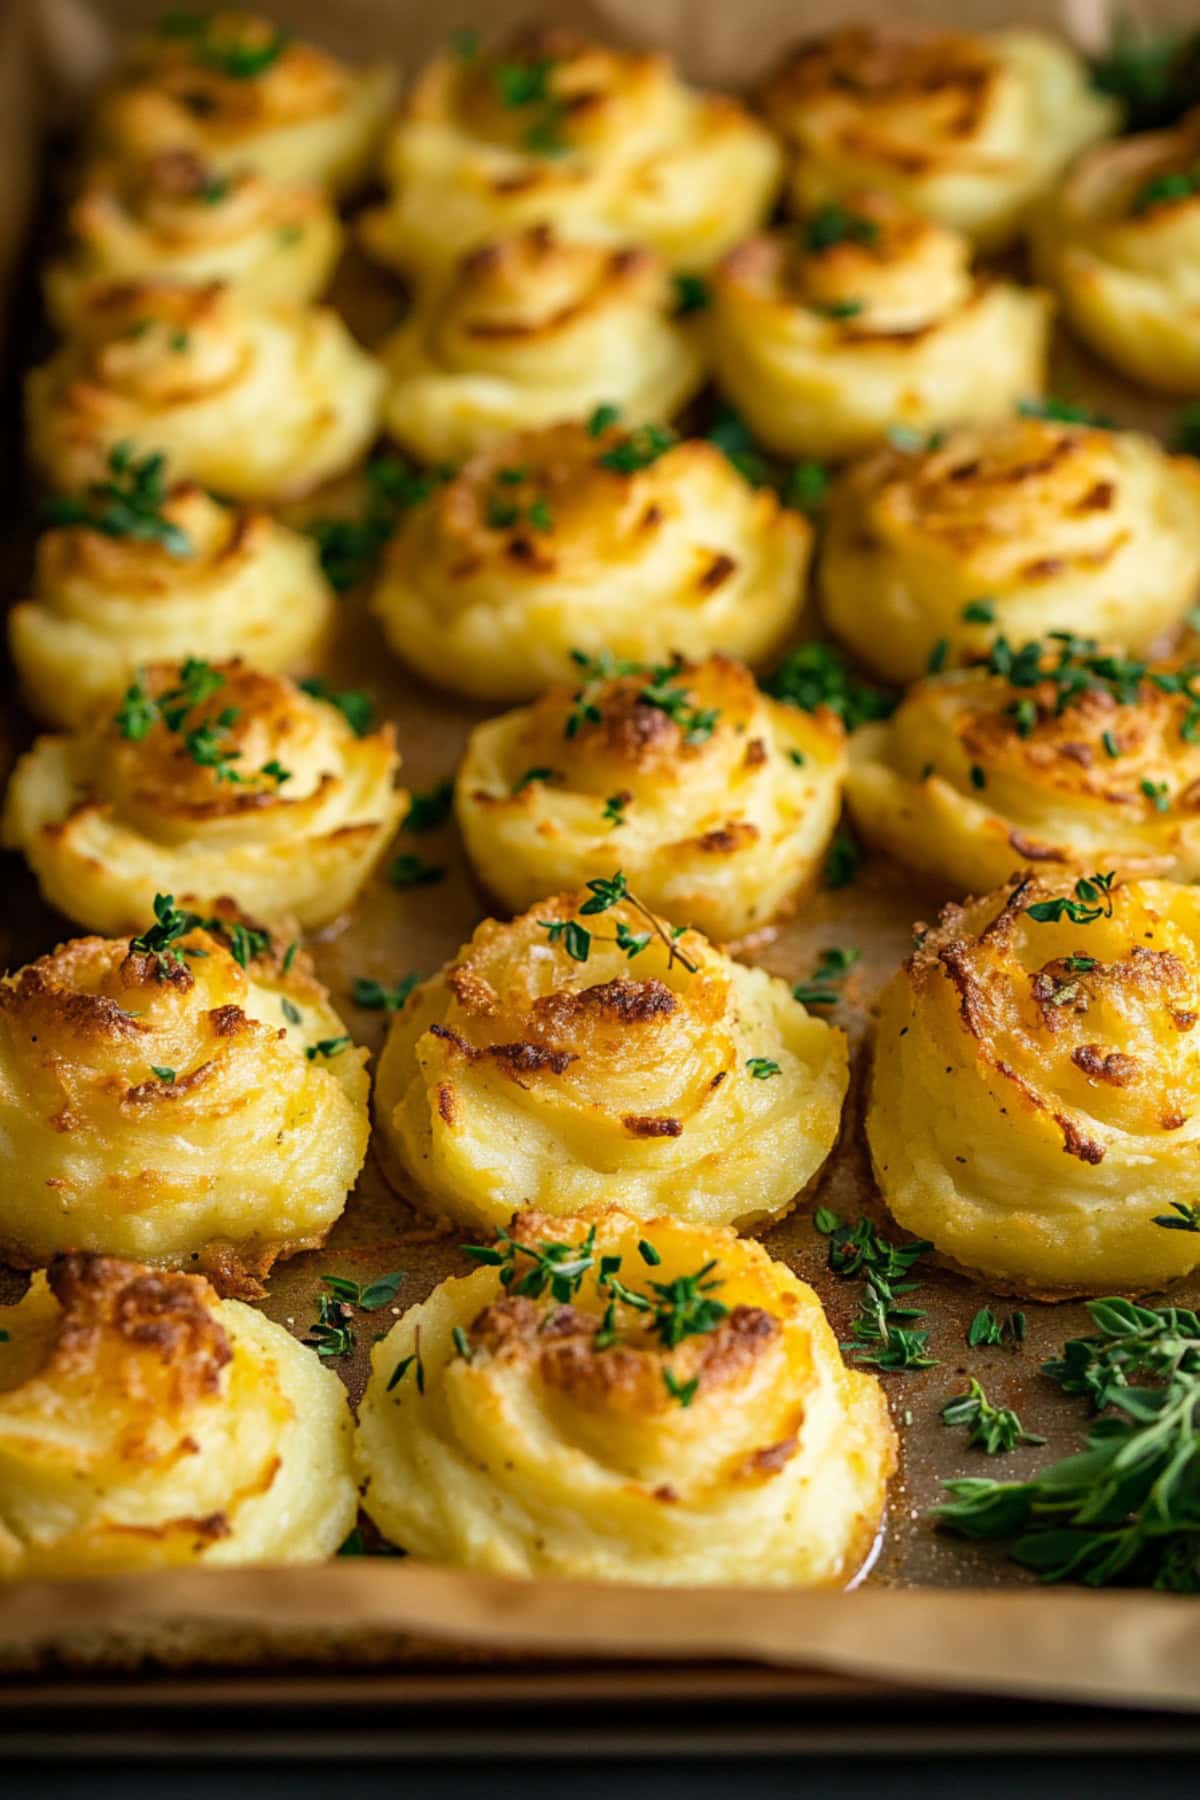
x=194 y=1101
x=577 y=538
x=657 y=1074
x=553 y=129
x=195 y=373
x=1055 y=755
x=532 y=330
x=1050 y=527
x=145 y=1424
x=567 y=1439
x=717 y=802
x=238 y=583
x=173 y=219
x=1119 y=241
x=1032 y=1106
x=210 y=779
x=863 y=317
x=236 y=91
x=970 y=129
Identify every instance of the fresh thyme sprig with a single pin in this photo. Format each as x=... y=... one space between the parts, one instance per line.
x=606 y=892
x=986 y=1329
x=1128 y=1507
x=823 y=987
x=128 y=504
x=1184 y=1216
x=995 y=1429
x=884 y=1332
x=376 y=996
x=1092 y=900
x=171 y=923
x=670 y=1311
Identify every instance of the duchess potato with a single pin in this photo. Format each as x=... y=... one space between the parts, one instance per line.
x=972 y=129
x=212 y=582
x=550 y=128
x=1020 y=528
x=173 y=219
x=718 y=803
x=695 y=1424
x=585 y=1053
x=209 y=779
x=592 y=539
x=1031 y=1108
x=235 y=90
x=827 y=334
x=533 y=330
x=145 y=1424
x=186 y=1097
x=1057 y=754
x=1118 y=241
x=259 y=403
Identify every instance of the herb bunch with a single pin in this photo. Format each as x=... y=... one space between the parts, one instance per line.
x=171 y=923
x=1066 y=668
x=203 y=740
x=1127 y=1507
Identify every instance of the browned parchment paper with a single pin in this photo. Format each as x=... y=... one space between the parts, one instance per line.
x=933 y=1612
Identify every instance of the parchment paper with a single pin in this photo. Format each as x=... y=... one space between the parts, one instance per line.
x=933 y=1612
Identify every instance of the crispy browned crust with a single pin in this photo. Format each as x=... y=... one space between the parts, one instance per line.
x=167 y=1313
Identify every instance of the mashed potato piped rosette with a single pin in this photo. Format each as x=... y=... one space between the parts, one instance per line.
x=594 y=538
x=209 y=779
x=1059 y=755
x=552 y=129
x=1019 y=528
x=1034 y=1095
x=970 y=129
x=587 y=1053
x=257 y=402
x=185 y=576
x=717 y=802
x=674 y=1409
x=237 y=91
x=145 y=1424
x=863 y=316
x=174 y=219
x=187 y=1096
x=1119 y=241
x=532 y=330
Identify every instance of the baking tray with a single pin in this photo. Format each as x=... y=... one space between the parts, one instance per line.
x=392 y=932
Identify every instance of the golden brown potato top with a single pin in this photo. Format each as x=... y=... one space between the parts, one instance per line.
x=1081 y=996
x=902 y=94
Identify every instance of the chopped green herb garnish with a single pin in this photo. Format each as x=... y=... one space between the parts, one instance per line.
x=128 y=504
x=167 y=1075
x=375 y=996
x=842 y=860
x=1092 y=900
x=816 y=675
x=823 y=987
x=762 y=1067
x=413 y=871
x=328 y=1047
x=355 y=704
x=427 y=811
x=638 y=449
